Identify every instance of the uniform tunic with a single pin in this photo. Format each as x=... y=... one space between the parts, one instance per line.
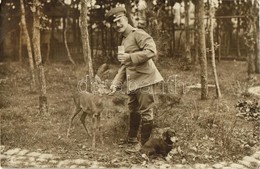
x=140 y=73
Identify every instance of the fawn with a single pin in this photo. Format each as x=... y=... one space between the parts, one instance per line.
x=90 y=104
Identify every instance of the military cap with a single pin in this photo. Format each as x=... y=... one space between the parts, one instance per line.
x=115 y=14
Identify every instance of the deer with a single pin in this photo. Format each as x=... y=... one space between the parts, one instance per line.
x=92 y=105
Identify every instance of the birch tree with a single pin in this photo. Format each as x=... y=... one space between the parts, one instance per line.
x=37 y=54
x=85 y=37
x=65 y=39
x=212 y=48
x=28 y=44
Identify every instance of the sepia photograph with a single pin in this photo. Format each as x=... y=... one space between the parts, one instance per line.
x=161 y=84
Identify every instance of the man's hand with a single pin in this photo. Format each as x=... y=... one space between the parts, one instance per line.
x=113 y=90
x=124 y=58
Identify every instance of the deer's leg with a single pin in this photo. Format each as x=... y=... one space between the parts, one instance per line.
x=76 y=111
x=94 y=122
x=82 y=119
x=100 y=129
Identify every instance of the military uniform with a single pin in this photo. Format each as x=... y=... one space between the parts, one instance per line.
x=140 y=74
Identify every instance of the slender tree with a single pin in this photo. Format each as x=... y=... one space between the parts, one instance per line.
x=238 y=38
x=250 y=38
x=202 y=50
x=85 y=37
x=250 y=65
x=212 y=48
x=37 y=54
x=66 y=41
x=48 y=35
x=187 y=32
x=257 y=67
x=20 y=41
x=257 y=63
x=196 y=54
x=28 y=44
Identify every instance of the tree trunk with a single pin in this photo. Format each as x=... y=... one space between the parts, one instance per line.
x=226 y=43
x=257 y=59
x=48 y=46
x=65 y=40
x=97 y=45
x=187 y=32
x=85 y=38
x=251 y=50
x=219 y=42
x=257 y=66
x=38 y=59
x=202 y=50
x=196 y=38
x=128 y=12
x=252 y=41
x=51 y=52
x=28 y=45
x=212 y=48
x=20 y=42
x=250 y=65
x=103 y=41
x=75 y=31
x=238 y=40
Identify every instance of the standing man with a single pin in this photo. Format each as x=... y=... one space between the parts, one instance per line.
x=140 y=73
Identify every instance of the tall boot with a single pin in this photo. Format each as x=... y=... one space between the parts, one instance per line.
x=146 y=130
x=134 y=123
x=135 y=146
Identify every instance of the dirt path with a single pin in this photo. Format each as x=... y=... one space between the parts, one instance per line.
x=23 y=158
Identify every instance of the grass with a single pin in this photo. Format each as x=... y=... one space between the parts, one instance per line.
x=208 y=131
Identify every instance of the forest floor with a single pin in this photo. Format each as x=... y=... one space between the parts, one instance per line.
x=208 y=131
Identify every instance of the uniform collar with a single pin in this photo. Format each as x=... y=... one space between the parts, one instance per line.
x=129 y=29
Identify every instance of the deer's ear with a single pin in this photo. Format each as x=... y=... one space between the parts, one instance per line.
x=97 y=79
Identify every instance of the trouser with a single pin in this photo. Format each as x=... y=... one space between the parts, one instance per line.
x=140 y=104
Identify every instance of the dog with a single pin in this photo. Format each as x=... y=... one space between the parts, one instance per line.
x=159 y=146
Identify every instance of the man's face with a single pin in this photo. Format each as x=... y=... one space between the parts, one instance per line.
x=121 y=24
